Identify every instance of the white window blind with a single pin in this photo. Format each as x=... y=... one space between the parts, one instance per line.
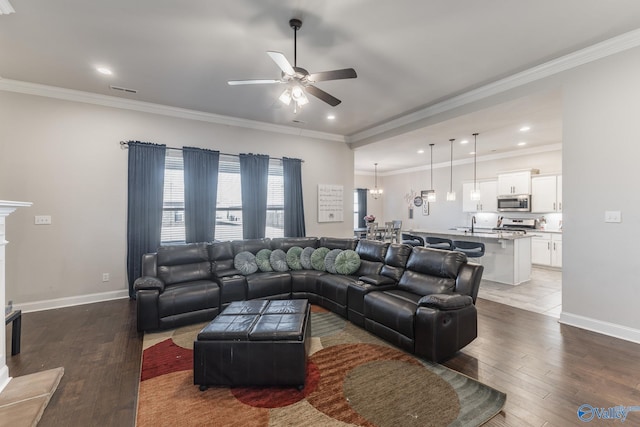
x=229 y=201
x=173 y=199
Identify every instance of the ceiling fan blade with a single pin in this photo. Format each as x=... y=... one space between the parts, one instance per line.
x=282 y=62
x=252 y=82
x=347 y=73
x=324 y=96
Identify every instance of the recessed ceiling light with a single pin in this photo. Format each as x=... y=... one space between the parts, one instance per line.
x=421 y=151
x=464 y=141
x=525 y=128
x=104 y=70
x=331 y=117
x=472 y=153
x=521 y=143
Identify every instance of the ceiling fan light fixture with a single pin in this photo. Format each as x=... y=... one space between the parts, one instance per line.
x=297 y=93
x=285 y=98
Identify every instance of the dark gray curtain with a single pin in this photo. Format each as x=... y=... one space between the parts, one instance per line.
x=254 y=173
x=200 y=193
x=293 y=206
x=362 y=207
x=144 y=216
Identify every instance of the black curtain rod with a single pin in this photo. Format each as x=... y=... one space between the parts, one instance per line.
x=125 y=145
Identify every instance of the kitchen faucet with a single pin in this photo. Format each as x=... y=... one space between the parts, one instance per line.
x=473 y=221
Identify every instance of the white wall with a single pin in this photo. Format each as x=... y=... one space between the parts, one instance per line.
x=601 y=288
x=65 y=157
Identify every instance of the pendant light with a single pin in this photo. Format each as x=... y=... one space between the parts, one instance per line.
x=451 y=195
x=475 y=194
x=376 y=192
x=431 y=193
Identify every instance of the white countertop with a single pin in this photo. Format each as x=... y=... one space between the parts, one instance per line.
x=480 y=233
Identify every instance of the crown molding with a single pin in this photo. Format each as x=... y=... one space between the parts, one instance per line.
x=597 y=51
x=165 y=110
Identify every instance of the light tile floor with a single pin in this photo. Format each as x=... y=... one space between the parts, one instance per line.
x=542 y=294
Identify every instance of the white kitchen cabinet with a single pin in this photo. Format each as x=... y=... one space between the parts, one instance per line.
x=546 y=249
x=556 y=250
x=546 y=194
x=514 y=183
x=488 y=197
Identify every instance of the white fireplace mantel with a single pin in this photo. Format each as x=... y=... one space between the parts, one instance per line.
x=6 y=208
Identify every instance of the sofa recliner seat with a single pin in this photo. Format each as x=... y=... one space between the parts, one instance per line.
x=420 y=299
x=429 y=327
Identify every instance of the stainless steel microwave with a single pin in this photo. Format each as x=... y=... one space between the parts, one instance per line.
x=516 y=203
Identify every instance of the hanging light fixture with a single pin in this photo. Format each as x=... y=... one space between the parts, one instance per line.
x=431 y=193
x=475 y=194
x=376 y=192
x=451 y=195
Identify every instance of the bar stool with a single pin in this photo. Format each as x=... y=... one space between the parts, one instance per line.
x=411 y=240
x=438 y=243
x=372 y=231
x=471 y=249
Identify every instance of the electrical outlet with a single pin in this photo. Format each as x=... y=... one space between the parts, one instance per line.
x=612 y=216
x=105 y=277
x=43 y=219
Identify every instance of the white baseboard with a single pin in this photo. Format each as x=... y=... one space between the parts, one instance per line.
x=51 y=304
x=611 y=329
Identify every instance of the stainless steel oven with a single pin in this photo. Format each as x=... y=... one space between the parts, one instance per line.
x=516 y=203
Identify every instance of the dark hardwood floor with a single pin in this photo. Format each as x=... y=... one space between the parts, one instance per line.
x=547 y=370
x=100 y=350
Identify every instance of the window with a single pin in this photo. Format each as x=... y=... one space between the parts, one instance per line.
x=173 y=199
x=275 y=200
x=229 y=206
x=356 y=209
x=229 y=201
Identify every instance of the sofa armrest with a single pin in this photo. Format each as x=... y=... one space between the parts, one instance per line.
x=445 y=301
x=148 y=283
x=377 y=280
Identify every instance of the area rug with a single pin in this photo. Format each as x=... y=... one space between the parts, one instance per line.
x=353 y=378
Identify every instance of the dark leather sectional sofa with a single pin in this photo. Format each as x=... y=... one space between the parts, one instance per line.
x=419 y=299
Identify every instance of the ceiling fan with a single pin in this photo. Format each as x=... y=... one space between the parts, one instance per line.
x=298 y=80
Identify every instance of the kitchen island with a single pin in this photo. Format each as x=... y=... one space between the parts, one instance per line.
x=507 y=257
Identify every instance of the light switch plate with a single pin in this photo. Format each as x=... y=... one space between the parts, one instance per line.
x=612 y=216
x=43 y=219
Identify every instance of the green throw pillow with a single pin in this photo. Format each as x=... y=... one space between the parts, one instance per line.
x=245 y=262
x=293 y=258
x=262 y=258
x=347 y=262
x=278 y=260
x=305 y=258
x=317 y=258
x=330 y=260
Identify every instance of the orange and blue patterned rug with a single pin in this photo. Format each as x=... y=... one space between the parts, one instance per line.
x=353 y=378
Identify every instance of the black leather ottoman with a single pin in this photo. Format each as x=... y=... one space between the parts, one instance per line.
x=255 y=342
